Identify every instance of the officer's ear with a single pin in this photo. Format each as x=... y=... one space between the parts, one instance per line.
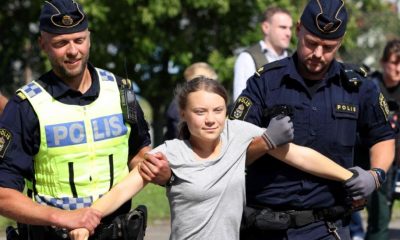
x=298 y=27
x=41 y=41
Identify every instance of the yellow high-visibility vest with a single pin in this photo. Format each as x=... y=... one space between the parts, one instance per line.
x=83 y=149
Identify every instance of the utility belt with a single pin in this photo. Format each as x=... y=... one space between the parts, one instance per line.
x=129 y=226
x=266 y=219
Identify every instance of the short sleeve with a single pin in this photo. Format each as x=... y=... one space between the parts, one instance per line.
x=373 y=122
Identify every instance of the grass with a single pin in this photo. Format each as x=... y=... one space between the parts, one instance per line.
x=153 y=196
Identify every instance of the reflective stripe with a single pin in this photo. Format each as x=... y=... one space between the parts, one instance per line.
x=66 y=203
x=32 y=89
x=71 y=179
x=111 y=163
x=76 y=142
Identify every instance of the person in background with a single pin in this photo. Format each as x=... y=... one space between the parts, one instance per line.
x=276 y=27
x=379 y=204
x=172 y=114
x=207 y=194
x=66 y=136
x=329 y=103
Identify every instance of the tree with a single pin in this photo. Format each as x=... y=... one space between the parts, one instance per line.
x=152 y=41
x=158 y=39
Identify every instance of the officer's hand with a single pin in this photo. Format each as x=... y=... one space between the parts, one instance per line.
x=361 y=184
x=79 y=234
x=87 y=218
x=155 y=168
x=279 y=131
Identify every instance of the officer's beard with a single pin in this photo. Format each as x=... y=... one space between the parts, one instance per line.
x=68 y=75
x=311 y=72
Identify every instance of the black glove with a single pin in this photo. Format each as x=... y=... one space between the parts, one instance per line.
x=278 y=132
x=361 y=184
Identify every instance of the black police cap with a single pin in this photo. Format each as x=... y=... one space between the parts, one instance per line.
x=62 y=17
x=326 y=19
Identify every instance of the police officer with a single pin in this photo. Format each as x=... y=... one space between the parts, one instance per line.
x=329 y=103
x=380 y=202
x=67 y=134
x=276 y=26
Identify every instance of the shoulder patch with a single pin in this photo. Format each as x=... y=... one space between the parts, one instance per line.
x=384 y=106
x=269 y=66
x=241 y=108
x=5 y=139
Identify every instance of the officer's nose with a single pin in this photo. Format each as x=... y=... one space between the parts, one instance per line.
x=72 y=50
x=318 y=52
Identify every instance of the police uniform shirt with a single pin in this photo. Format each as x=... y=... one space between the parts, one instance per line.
x=20 y=123
x=390 y=93
x=172 y=120
x=326 y=121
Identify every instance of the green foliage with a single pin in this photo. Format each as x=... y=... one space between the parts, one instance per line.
x=156 y=201
x=152 y=41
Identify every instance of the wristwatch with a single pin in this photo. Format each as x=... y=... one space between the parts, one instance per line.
x=381 y=174
x=170 y=180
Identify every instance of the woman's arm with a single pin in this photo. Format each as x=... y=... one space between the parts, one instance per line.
x=112 y=200
x=120 y=193
x=303 y=158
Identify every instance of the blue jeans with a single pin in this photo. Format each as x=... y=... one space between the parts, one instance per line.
x=356 y=226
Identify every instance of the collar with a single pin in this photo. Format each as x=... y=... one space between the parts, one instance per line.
x=58 y=89
x=332 y=74
x=271 y=52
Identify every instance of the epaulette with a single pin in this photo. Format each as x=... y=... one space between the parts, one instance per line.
x=269 y=66
x=353 y=75
x=126 y=83
x=21 y=95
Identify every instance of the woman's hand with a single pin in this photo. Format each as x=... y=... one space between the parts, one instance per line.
x=79 y=234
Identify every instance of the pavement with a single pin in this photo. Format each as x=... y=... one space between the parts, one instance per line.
x=160 y=230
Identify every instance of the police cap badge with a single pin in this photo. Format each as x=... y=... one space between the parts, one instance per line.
x=325 y=19
x=62 y=17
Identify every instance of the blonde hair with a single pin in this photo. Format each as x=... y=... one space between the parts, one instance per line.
x=199 y=69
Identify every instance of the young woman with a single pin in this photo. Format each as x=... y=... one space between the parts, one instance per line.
x=208 y=194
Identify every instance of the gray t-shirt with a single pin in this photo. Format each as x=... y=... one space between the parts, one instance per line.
x=207 y=198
